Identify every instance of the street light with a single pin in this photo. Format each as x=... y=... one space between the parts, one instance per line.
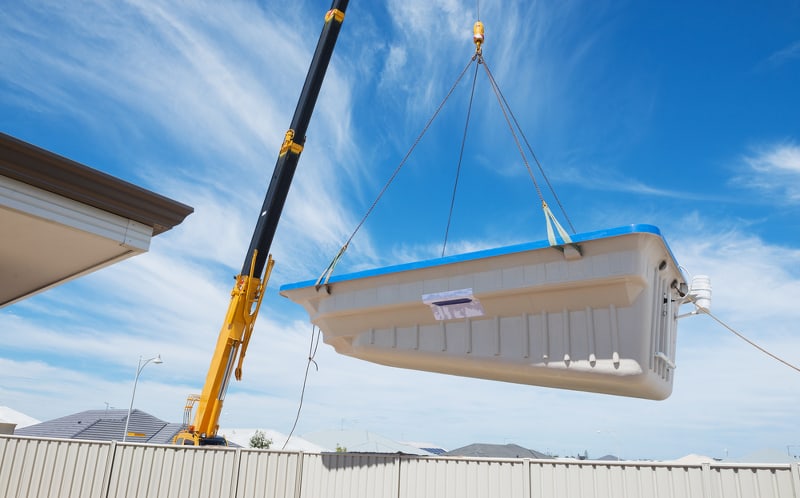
x=156 y=361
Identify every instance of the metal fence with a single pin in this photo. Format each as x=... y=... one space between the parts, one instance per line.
x=31 y=467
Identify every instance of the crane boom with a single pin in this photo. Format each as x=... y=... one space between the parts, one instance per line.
x=251 y=283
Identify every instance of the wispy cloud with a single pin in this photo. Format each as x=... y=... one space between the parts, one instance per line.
x=783 y=56
x=753 y=280
x=609 y=179
x=196 y=110
x=775 y=170
x=203 y=114
x=218 y=104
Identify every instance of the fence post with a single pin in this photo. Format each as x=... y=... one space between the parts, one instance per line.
x=707 y=488
x=795 y=470
x=298 y=479
x=112 y=452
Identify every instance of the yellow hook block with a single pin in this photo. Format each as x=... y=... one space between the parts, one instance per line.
x=477 y=35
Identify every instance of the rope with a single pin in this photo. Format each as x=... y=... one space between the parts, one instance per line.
x=742 y=337
x=460 y=158
x=326 y=275
x=312 y=352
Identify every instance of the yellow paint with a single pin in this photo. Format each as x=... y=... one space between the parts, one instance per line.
x=478 y=35
x=231 y=346
x=289 y=144
x=334 y=14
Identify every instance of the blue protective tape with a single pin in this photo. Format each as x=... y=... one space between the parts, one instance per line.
x=486 y=253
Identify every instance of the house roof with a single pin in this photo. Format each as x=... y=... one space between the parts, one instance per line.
x=768 y=455
x=105 y=425
x=241 y=437
x=484 y=450
x=355 y=441
x=61 y=219
x=434 y=450
x=8 y=415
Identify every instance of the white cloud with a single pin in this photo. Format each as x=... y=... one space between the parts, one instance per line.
x=777 y=158
x=754 y=282
x=608 y=179
x=199 y=116
x=787 y=53
x=723 y=386
x=775 y=170
x=395 y=61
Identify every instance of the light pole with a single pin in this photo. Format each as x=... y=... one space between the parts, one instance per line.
x=156 y=361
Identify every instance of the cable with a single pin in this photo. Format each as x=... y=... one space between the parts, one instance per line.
x=460 y=159
x=708 y=312
x=513 y=125
x=408 y=154
x=498 y=95
x=504 y=106
x=323 y=279
x=312 y=352
x=536 y=159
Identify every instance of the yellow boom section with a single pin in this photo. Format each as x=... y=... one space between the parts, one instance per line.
x=228 y=356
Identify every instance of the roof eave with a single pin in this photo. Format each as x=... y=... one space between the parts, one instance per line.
x=43 y=169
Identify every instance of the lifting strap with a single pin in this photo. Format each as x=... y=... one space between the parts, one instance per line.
x=552 y=221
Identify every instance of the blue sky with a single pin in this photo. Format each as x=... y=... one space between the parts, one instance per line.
x=679 y=115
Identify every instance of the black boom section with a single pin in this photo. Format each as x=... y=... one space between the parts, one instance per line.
x=290 y=152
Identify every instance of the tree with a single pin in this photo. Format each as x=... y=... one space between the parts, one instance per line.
x=260 y=440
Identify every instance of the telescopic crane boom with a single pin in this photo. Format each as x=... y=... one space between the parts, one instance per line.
x=251 y=283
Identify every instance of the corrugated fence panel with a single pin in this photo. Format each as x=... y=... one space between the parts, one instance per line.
x=268 y=474
x=664 y=481
x=31 y=467
x=614 y=480
x=173 y=472
x=349 y=475
x=627 y=479
x=463 y=478
x=683 y=481
x=52 y=468
x=754 y=482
